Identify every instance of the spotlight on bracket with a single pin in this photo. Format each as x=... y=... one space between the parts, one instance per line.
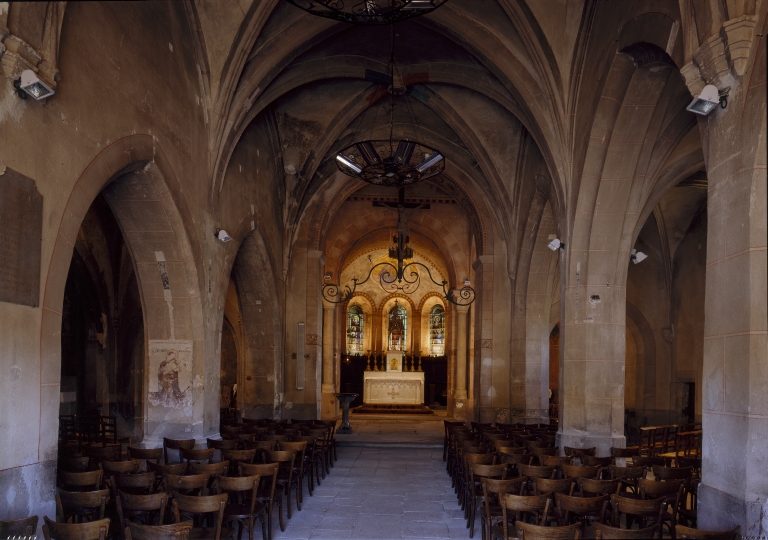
x=637 y=256
x=222 y=235
x=705 y=103
x=30 y=84
x=555 y=244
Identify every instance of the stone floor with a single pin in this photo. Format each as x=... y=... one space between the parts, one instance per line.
x=383 y=492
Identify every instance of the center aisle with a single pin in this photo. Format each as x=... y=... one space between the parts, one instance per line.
x=381 y=493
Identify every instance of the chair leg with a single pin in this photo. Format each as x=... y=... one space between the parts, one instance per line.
x=280 y=513
x=299 y=492
x=288 y=500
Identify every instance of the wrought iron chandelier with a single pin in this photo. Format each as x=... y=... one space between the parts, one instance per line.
x=405 y=277
x=368 y=12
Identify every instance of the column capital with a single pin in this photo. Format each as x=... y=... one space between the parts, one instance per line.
x=329 y=306
x=461 y=309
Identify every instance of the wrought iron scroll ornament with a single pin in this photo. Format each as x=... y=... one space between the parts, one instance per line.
x=403 y=278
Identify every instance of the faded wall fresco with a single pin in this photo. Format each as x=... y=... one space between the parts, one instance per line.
x=170 y=373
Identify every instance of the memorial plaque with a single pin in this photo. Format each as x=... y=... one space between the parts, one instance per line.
x=21 y=223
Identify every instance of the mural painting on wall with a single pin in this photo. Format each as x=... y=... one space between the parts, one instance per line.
x=170 y=368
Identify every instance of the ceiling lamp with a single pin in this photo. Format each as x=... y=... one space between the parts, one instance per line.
x=368 y=12
x=390 y=163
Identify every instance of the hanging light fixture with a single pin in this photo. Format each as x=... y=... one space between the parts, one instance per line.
x=368 y=12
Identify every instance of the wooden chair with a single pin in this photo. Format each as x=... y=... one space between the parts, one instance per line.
x=589 y=487
x=244 y=506
x=469 y=461
x=309 y=460
x=493 y=491
x=223 y=444
x=286 y=460
x=700 y=534
x=607 y=532
x=161 y=470
x=627 y=452
x=112 y=468
x=135 y=484
x=671 y=491
x=26 y=527
x=627 y=476
x=213 y=506
x=269 y=492
x=580 y=471
x=81 y=506
x=213 y=470
x=540 y=452
x=141 y=507
x=262 y=448
x=190 y=484
x=548 y=485
x=95 y=530
x=202 y=455
x=477 y=473
x=236 y=456
x=300 y=449
x=592 y=461
x=647 y=461
x=176 y=444
x=524 y=508
x=644 y=510
x=528 y=531
x=174 y=531
x=81 y=481
x=144 y=455
x=581 y=508
x=673 y=473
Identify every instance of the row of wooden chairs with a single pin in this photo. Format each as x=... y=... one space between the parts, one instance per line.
x=680 y=439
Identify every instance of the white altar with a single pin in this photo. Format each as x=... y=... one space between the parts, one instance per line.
x=394 y=386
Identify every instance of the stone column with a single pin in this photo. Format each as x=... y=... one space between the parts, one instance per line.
x=461 y=353
x=328 y=409
x=734 y=486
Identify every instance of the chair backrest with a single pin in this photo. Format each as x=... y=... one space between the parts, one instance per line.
x=580 y=471
x=18 y=527
x=647 y=461
x=175 y=483
x=570 y=451
x=145 y=453
x=69 y=502
x=95 y=530
x=672 y=473
x=480 y=470
x=120 y=467
x=160 y=469
x=579 y=505
x=699 y=534
x=637 y=507
x=511 y=450
x=213 y=470
x=200 y=455
x=174 y=531
x=85 y=479
x=536 y=471
x=626 y=473
x=176 y=444
x=300 y=447
x=555 y=461
x=528 y=531
x=548 y=485
x=591 y=487
x=231 y=484
x=592 y=461
x=135 y=483
x=267 y=473
x=237 y=456
x=607 y=532
x=127 y=502
x=187 y=505
x=224 y=444
x=516 y=459
x=653 y=489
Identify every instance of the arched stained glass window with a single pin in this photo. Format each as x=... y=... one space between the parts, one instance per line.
x=398 y=327
x=355 y=330
x=437 y=331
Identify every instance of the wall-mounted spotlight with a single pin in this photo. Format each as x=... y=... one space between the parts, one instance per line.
x=637 y=256
x=556 y=244
x=709 y=98
x=30 y=84
x=222 y=235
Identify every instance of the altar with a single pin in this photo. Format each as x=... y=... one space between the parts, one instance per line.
x=393 y=386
